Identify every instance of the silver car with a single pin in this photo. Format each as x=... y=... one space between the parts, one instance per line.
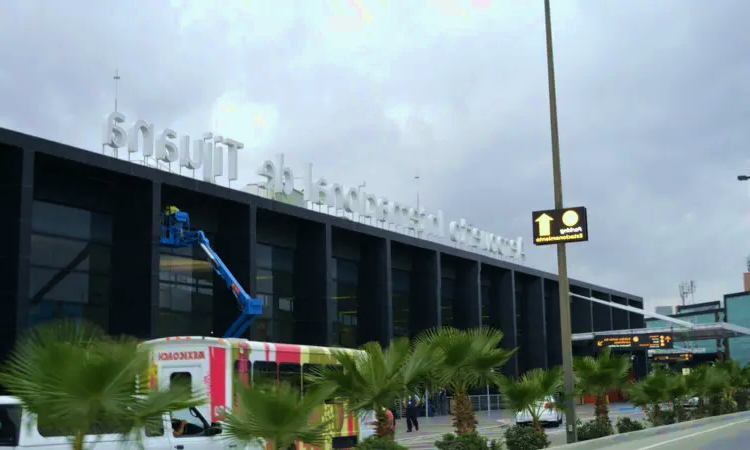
x=548 y=415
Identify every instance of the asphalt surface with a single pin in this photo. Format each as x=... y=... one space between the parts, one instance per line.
x=734 y=435
x=493 y=426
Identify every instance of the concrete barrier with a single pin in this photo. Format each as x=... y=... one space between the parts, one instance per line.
x=596 y=444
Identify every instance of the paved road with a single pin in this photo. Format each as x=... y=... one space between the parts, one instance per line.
x=729 y=435
x=488 y=426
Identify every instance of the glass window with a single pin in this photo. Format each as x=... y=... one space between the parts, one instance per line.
x=345 y=290
x=76 y=287
x=485 y=304
x=738 y=313
x=264 y=372
x=292 y=374
x=72 y=222
x=60 y=253
x=401 y=282
x=264 y=258
x=10 y=425
x=265 y=281
x=447 y=292
x=283 y=259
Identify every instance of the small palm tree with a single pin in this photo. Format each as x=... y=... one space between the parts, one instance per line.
x=597 y=376
x=527 y=393
x=376 y=379
x=677 y=391
x=79 y=381
x=717 y=388
x=465 y=359
x=649 y=393
x=277 y=414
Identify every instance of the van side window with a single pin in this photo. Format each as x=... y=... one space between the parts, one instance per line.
x=265 y=372
x=181 y=379
x=155 y=428
x=291 y=373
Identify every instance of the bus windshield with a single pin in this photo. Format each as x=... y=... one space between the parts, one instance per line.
x=10 y=425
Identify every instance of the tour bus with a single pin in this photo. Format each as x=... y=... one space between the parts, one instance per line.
x=214 y=365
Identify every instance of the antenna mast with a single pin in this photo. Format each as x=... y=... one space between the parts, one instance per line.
x=117 y=79
x=688 y=288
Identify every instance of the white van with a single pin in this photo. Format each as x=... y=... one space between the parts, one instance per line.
x=19 y=430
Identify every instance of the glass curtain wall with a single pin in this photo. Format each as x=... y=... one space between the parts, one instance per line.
x=447 y=301
x=485 y=292
x=275 y=281
x=70 y=264
x=186 y=293
x=345 y=283
x=738 y=313
x=401 y=285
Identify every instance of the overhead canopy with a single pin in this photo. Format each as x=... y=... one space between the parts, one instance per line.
x=681 y=330
x=717 y=330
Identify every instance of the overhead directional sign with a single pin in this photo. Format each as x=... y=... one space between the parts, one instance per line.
x=646 y=341
x=555 y=226
x=673 y=357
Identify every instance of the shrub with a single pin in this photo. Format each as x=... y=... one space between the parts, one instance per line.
x=468 y=441
x=525 y=438
x=668 y=417
x=374 y=443
x=594 y=429
x=626 y=425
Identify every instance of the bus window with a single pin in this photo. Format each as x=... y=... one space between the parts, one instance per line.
x=264 y=372
x=182 y=379
x=307 y=371
x=291 y=373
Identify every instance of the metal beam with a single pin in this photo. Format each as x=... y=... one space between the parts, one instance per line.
x=654 y=315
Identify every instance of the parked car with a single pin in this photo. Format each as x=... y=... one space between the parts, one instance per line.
x=690 y=402
x=548 y=414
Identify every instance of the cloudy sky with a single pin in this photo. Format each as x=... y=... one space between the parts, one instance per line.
x=654 y=102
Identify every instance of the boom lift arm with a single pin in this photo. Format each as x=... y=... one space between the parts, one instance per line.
x=176 y=232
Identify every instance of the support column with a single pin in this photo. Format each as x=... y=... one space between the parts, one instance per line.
x=17 y=189
x=552 y=316
x=424 y=312
x=467 y=310
x=503 y=294
x=233 y=245
x=135 y=261
x=375 y=304
x=314 y=308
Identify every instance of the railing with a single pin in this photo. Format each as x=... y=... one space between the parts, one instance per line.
x=492 y=402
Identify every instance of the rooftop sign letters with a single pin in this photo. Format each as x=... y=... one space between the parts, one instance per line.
x=557 y=226
x=205 y=153
x=647 y=341
x=279 y=178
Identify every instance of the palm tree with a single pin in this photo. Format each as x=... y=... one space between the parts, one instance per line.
x=376 y=379
x=526 y=393
x=677 y=391
x=717 y=388
x=597 y=376
x=649 y=393
x=277 y=414
x=465 y=359
x=79 y=381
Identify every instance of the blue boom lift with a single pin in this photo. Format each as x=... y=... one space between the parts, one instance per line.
x=176 y=232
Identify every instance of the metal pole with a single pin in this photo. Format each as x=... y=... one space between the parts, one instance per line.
x=562 y=264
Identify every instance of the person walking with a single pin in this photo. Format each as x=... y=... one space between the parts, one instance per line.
x=412 y=411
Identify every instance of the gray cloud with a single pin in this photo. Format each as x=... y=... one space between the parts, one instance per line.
x=653 y=104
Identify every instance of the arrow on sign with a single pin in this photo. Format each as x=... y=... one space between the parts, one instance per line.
x=600 y=343
x=666 y=338
x=544 y=220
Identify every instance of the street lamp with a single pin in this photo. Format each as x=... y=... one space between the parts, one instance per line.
x=562 y=260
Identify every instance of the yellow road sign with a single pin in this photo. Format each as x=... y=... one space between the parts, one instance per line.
x=557 y=226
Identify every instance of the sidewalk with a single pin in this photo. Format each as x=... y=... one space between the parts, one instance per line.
x=490 y=425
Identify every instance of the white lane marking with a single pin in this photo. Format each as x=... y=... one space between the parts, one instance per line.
x=698 y=433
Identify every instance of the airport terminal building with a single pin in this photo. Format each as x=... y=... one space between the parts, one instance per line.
x=81 y=231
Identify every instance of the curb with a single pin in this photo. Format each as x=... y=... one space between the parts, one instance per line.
x=597 y=444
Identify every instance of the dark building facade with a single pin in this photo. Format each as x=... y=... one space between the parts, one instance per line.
x=81 y=240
